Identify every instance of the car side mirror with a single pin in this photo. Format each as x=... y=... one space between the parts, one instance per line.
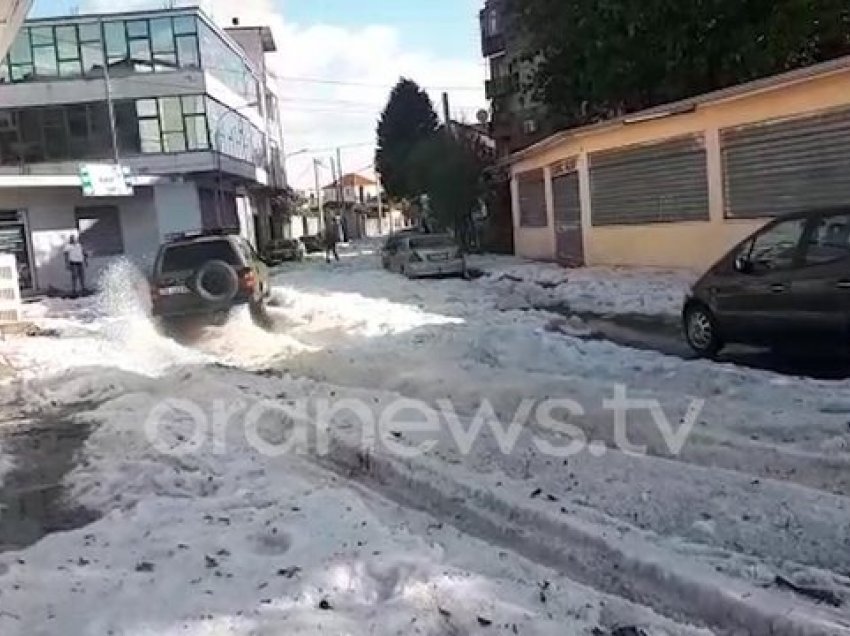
x=743 y=265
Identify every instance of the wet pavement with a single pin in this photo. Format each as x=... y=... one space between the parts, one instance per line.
x=32 y=497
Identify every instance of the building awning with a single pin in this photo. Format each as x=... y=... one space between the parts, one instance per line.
x=66 y=180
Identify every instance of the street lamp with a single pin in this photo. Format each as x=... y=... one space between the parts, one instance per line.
x=219 y=168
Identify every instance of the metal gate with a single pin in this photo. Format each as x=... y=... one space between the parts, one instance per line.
x=10 y=294
x=785 y=166
x=569 y=244
x=14 y=240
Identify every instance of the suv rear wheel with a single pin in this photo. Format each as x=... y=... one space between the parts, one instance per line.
x=701 y=330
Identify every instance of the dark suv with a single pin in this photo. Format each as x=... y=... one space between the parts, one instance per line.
x=786 y=286
x=205 y=276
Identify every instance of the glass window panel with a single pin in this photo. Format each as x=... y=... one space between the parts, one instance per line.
x=171 y=114
x=140 y=52
x=187 y=51
x=70 y=68
x=193 y=104
x=21 y=53
x=196 y=132
x=162 y=36
x=164 y=61
x=149 y=135
x=21 y=72
x=92 y=58
x=116 y=40
x=100 y=135
x=174 y=142
x=42 y=36
x=185 y=24
x=147 y=108
x=4 y=72
x=31 y=147
x=137 y=29
x=66 y=42
x=45 y=61
x=89 y=32
x=126 y=127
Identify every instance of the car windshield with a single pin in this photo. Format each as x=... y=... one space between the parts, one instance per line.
x=190 y=256
x=432 y=242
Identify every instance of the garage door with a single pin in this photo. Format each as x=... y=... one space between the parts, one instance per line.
x=568 y=235
x=653 y=183
x=787 y=166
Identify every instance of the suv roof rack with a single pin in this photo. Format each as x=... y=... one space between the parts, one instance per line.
x=190 y=234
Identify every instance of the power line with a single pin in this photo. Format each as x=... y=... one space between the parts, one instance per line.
x=316 y=80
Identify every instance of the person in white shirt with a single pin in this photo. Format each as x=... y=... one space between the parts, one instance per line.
x=76 y=260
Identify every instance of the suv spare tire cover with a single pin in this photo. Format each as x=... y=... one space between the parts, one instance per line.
x=216 y=282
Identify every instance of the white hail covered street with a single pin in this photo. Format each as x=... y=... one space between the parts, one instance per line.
x=744 y=530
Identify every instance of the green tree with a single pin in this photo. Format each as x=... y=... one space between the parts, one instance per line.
x=407 y=121
x=602 y=58
x=449 y=168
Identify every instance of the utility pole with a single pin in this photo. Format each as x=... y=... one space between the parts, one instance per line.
x=319 y=210
x=381 y=206
x=447 y=114
x=339 y=170
x=110 y=107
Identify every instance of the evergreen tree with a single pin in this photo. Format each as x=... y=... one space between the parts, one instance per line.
x=407 y=121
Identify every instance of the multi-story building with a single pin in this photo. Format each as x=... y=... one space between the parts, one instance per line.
x=517 y=119
x=184 y=107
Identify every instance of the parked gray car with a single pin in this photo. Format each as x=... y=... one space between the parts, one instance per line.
x=422 y=255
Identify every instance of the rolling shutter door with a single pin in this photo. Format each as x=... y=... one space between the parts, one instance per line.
x=788 y=166
x=532 y=199
x=655 y=183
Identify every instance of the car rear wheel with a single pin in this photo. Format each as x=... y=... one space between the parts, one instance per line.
x=701 y=331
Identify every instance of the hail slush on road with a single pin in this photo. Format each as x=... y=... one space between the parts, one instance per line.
x=412 y=457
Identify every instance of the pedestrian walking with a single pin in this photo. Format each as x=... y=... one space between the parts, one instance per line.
x=331 y=239
x=76 y=261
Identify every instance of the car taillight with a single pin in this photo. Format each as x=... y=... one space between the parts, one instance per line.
x=415 y=258
x=247 y=280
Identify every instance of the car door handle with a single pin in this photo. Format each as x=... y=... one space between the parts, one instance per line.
x=843 y=284
x=778 y=288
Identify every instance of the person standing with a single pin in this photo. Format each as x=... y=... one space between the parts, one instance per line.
x=76 y=260
x=331 y=239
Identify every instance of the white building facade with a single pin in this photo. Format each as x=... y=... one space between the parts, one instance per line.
x=181 y=104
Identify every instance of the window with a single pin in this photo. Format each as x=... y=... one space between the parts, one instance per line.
x=44 y=59
x=777 y=248
x=140 y=54
x=116 y=41
x=227 y=65
x=171 y=121
x=91 y=49
x=67 y=43
x=829 y=240
x=150 y=136
x=186 y=257
x=532 y=200
x=99 y=228
x=127 y=127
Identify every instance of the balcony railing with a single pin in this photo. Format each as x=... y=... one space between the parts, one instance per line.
x=501 y=86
